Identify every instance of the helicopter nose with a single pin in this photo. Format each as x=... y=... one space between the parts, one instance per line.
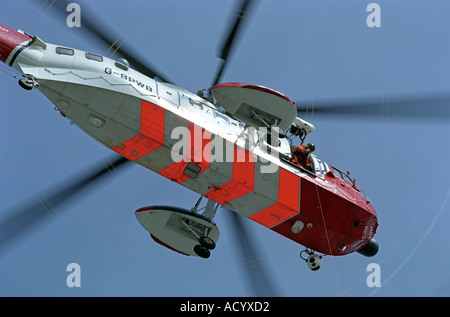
x=10 y=43
x=370 y=249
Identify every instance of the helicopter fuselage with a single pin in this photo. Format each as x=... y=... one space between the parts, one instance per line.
x=186 y=139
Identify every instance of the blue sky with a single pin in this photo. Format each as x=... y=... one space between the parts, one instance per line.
x=308 y=50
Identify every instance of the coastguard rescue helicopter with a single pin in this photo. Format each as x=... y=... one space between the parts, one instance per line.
x=234 y=144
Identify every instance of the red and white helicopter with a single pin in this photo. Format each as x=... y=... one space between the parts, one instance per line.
x=234 y=144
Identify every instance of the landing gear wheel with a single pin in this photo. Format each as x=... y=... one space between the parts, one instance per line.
x=207 y=242
x=25 y=84
x=201 y=251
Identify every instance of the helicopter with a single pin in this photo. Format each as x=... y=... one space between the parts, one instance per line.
x=237 y=147
x=297 y=103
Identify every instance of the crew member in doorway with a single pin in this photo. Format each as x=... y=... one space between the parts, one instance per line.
x=301 y=156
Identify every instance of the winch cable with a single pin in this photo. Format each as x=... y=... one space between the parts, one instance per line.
x=419 y=244
x=328 y=241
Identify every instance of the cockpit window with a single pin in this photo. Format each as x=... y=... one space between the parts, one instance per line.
x=347 y=178
x=195 y=103
x=337 y=172
x=221 y=116
x=344 y=176
x=64 y=51
x=94 y=57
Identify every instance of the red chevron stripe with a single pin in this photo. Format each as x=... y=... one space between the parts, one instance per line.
x=151 y=136
x=242 y=181
x=199 y=147
x=287 y=205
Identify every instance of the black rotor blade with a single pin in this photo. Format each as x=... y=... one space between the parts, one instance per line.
x=233 y=32
x=22 y=218
x=426 y=106
x=93 y=25
x=257 y=274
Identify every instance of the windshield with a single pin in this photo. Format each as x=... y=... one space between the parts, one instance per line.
x=342 y=175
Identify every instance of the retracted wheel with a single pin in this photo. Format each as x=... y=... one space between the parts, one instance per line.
x=207 y=242
x=201 y=251
x=25 y=84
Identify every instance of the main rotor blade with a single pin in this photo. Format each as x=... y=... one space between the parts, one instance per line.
x=93 y=25
x=24 y=217
x=427 y=106
x=257 y=274
x=233 y=32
